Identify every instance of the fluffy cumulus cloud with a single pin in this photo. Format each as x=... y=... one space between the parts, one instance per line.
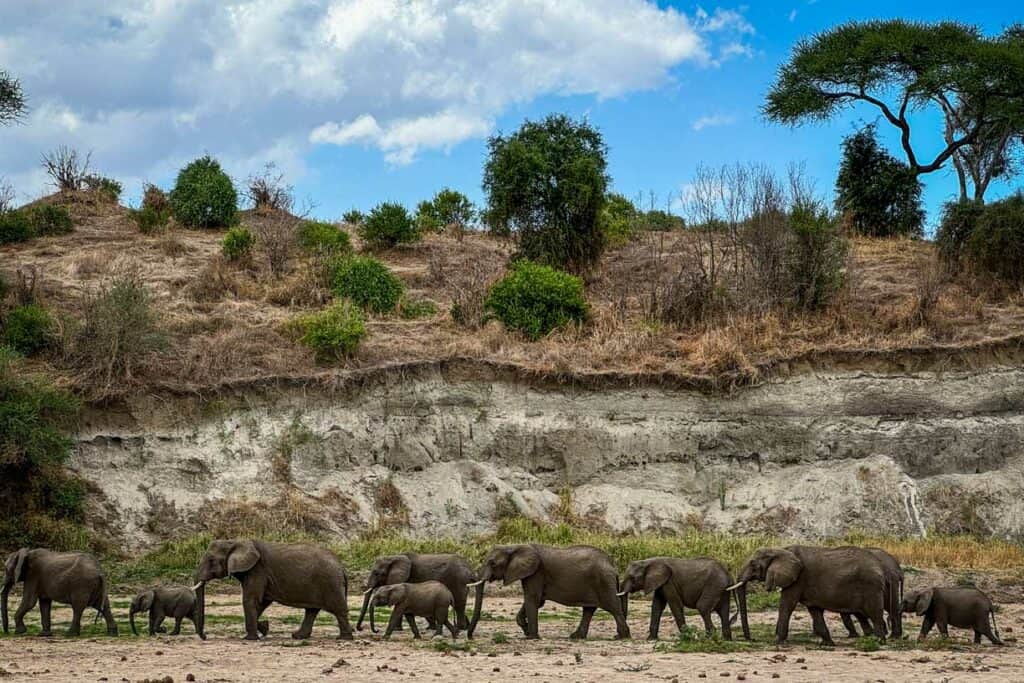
x=148 y=84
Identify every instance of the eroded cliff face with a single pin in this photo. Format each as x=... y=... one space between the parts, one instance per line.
x=441 y=453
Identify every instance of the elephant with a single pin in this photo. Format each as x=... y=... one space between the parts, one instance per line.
x=74 y=579
x=961 y=607
x=701 y=583
x=428 y=599
x=580 y=575
x=893 y=597
x=451 y=570
x=177 y=602
x=293 y=574
x=834 y=579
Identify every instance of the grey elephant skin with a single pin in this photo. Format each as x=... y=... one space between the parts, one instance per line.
x=960 y=607
x=893 y=597
x=176 y=602
x=293 y=574
x=451 y=570
x=428 y=599
x=844 y=580
x=578 y=576
x=700 y=583
x=74 y=579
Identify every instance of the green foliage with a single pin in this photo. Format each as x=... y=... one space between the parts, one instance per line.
x=958 y=222
x=324 y=239
x=50 y=219
x=411 y=309
x=108 y=187
x=536 y=299
x=996 y=245
x=335 y=332
x=353 y=217
x=237 y=243
x=878 y=194
x=26 y=329
x=868 y=644
x=15 y=226
x=448 y=207
x=389 y=224
x=546 y=185
x=204 y=196
x=366 y=282
x=12 y=99
x=155 y=212
x=817 y=256
x=619 y=219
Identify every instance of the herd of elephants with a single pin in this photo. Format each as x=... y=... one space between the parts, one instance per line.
x=858 y=583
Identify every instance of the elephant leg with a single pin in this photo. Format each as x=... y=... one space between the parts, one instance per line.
x=77 y=610
x=613 y=606
x=177 y=626
x=344 y=628
x=786 y=606
x=706 y=605
x=305 y=629
x=926 y=627
x=453 y=628
x=865 y=623
x=409 y=617
x=28 y=601
x=521 y=620
x=154 y=622
x=262 y=625
x=851 y=631
x=678 y=614
x=251 y=609
x=709 y=628
x=530 y=608
x=108 y=617
x=584 y=627
x=819 y=626
x=44 y=616
x=977 y=637
x=394 y=621
x=657 y=609
x=943 y=628
x=983 y=628
x=723 y=616
x=459 y=599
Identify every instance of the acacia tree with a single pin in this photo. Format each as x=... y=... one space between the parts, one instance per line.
x=546 y=185
x=901 y=67
x=12 y=99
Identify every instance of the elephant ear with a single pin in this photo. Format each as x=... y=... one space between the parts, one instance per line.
x=242 y=557
x=398 y=572
x=146 y=601
x=783 y=570
x=656 y=575
x=923 y=602
x=523 y=563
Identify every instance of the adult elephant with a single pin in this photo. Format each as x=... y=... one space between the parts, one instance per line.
x=701 y=583
x=845 y=580
x=578 y=576
x=893 y=596
x=451 y=570
x=74 y=579
x=293 y=574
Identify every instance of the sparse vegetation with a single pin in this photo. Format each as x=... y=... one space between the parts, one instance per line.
x=237 y=244
x=958 y=222
x=204 y=196
x=367 y=283
x=448 y=208
x=108 y=188
x=268 y=191
x=412 y=309
x=67 y=168
x=353 y=217
x=537 y=299
x=388 y=225
x=37 y=220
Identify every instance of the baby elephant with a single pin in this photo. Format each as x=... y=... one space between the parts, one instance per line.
x=177 y=602
x=429 y=599
x=961 y=607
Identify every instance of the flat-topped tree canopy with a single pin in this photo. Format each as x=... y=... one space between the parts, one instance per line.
x=899 y=67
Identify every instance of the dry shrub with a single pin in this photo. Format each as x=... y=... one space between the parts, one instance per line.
x=238 y=353
x=156 y=199
x=390 y=506
x=717 y=354
x=469 y=289
x=291 y=513
x=308 y=288
x=276 y=239
x=932 y=277
x=66 y=168
x=216 y=280
x=268 y=191
x=88 y=265
x=171 y=246
x=27 y=285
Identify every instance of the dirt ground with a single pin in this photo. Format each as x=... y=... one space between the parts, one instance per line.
x=492 y=657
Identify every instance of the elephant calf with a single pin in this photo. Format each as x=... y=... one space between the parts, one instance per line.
x=428 y=599
x=177 y=602
x=961 y=607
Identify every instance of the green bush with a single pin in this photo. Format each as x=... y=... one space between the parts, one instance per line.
x=447 y=207
x=366 y=282
x=411 y=309
x=26 y=329
x=324 y=239
x=618 y=220
x=108 y=187
x=353 y=217
x=996 y=245
x=335 y=332
x=661 y=221
x=817 y=256
x=204 y=196
x=958 y=222
x=388 y=224
x=237 y=243
x=15 y=226
x=151 y=220
x=50 y=219
x=536 y=299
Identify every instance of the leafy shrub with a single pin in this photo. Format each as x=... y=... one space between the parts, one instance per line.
x=426 y=220
x=109 y=188
x=324 y=238
x=618 y=220
x=50 y=219
x=237 y=244
x=155 y=198
x=447 y=208
x=353 y=217
x=388 y=225
x=996 y=245
x=15 y=226
x=203 y=196
x=536 y=299
x=661 y=221
x=411 y=309
x=150 y=220
x=546 y=185
x=335 y=332
x=878 y=194
x=26 y=329
x=817 y=256
x=958 y=222
x=366 y=282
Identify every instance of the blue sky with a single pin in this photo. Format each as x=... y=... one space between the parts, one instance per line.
x=360 y=101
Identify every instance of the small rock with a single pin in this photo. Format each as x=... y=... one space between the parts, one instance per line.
x=492 y=654
x=702 y=675
x=190 y=677
x=724 y=674
x=496 y=669
x=776 y=676
x=800 y=660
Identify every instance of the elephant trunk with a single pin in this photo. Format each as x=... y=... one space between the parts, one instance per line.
x=362 y=612
x=372 y=600
x=478 y=604
x=741 y=599
x=131 y=620
x=3 y=598
x=624 y=601
x=200 y=591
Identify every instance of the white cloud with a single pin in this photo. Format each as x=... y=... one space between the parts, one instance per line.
x=792 y=15
x=148 y=84
x=713 y=121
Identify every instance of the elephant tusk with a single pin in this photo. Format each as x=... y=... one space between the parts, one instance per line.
x=475 y=583
x=198 y=585
x=368 y=590
x=735 y=586
x=621 y=594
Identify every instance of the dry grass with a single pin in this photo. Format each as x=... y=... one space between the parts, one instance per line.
x=223 y=320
